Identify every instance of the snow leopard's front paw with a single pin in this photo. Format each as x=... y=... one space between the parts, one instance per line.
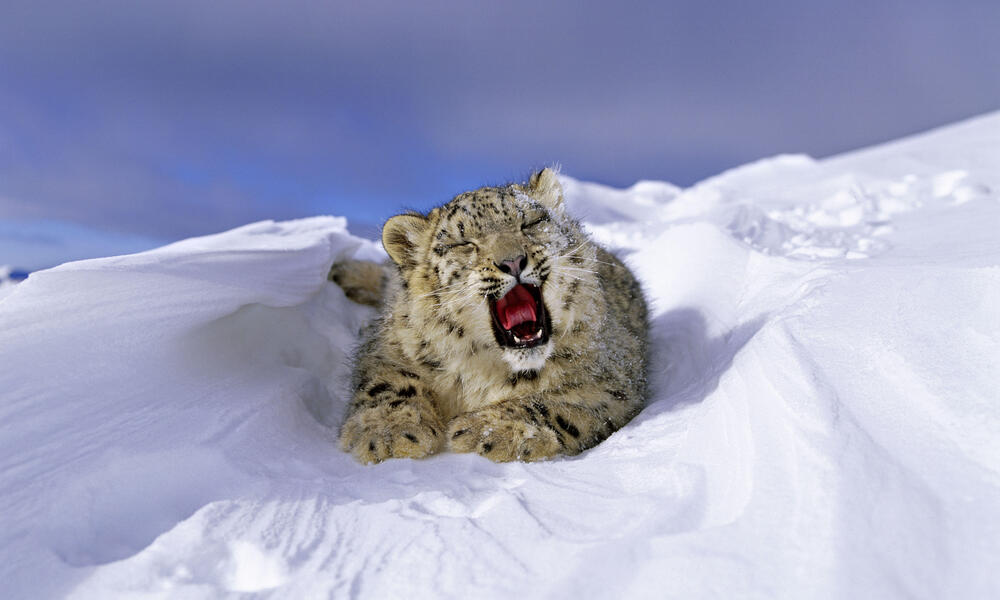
x=502 y=434
x=376 y=433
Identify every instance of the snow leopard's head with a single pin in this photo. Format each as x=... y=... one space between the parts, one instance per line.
x=498 y=266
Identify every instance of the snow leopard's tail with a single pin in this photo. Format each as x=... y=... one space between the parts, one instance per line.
x=362 y=281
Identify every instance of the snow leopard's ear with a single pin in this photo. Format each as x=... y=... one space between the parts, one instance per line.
x=544 y=187
x=401 y=237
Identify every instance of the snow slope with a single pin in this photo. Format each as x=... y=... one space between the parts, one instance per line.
x=825 y=419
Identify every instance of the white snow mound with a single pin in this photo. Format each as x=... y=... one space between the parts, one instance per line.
x=825 y=421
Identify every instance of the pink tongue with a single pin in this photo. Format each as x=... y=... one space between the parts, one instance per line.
x=517 y=307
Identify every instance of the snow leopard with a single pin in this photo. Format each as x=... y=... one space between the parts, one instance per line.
x=504 y=330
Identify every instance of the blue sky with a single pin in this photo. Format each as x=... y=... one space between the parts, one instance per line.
x=165 y=120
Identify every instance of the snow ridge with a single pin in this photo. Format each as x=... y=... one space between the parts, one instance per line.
x=823 y=420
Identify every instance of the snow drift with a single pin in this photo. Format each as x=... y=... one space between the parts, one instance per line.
x=825 y=419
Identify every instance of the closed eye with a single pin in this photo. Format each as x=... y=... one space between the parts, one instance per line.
x=465 y=245
x=442 y=249
x=537 y=221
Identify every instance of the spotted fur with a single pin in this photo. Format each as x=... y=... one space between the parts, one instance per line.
x=431 y=372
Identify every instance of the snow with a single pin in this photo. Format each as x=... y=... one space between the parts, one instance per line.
x=824 y=420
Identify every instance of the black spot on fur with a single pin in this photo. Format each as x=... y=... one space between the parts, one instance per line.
x=570 y=295
x=520 y=376
x=487 y=447
x=430 y=363
x=407 y=392
x=567 y=426
x=371 y=446
x=410 y=437
x=378 y=389
x=395 y=403
x=541 y=408
x=560 y=438
x=618 y=395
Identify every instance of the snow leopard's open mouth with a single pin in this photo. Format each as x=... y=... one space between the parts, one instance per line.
x=520 y=319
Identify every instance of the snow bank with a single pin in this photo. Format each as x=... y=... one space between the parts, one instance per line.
x=824 y=420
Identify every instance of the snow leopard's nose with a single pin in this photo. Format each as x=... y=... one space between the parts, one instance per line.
x=513 y=266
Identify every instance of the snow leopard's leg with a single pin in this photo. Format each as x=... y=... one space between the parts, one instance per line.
x=361 y=280
x=543 y=425
x=392 y=414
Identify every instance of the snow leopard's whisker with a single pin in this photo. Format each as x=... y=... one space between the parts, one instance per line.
x=574 y=277
x=462 y=300
x=587 y=260
x=570 y=252
x=573 y=252
x=437 y=295
x=564 y=269
x=568 y=270
x=464 y=293
x=451 y=301
x=467 y=299
x=567 y=275
x=599 y=262
x=442 y=289
x=575 y=272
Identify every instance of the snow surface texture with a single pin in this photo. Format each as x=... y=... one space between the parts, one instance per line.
x=825 y=419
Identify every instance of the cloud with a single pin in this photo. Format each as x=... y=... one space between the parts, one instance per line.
x=180 y=118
